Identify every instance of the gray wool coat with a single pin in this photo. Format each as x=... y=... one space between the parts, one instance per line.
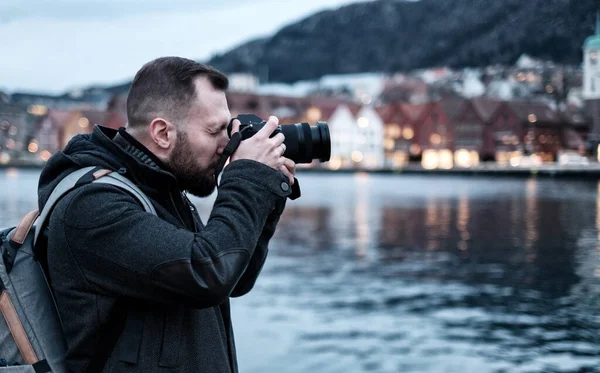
x=174 y=273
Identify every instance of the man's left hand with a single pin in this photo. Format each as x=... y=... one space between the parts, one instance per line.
x=289 y=169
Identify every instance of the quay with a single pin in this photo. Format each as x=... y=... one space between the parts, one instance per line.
x=589 y=171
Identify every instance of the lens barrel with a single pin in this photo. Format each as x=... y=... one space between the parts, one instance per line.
x=303 y=142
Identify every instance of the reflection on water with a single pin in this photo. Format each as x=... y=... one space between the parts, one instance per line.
x=377 y=273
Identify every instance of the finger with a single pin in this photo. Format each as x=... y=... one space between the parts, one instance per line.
x=268 y=128
x=287 y=173
x=281 y=149
x=235 y=126
x=278 y=139
x=290 y=165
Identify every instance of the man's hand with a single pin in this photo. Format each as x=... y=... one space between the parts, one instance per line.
x=264 y=149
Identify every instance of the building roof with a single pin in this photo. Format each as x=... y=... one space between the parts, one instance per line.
x=453 y=106
x=413 y=111
x=525 y=110
x=486 y=107
x=593 y=42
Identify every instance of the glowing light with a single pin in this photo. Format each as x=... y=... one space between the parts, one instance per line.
x=415 y=149
x=445 y=159
x=363 y=122
x=83 y=122
x=10 y=144
x=4 y=126
x=4 y=158
x=465 y=158
x=393 y=130
x=408 y=133
x=389 y=144
x=335 y=163
x=33 y=147
x=313 y=114
x=357 y=156
x=435 y=139
x=532 y=118
x=462 y=158
x=549 y=89
x=13 y=131
x=430 y=159
x=45 y=155
x=38 y=110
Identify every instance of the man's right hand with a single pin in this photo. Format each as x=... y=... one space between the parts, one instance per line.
x=261 y=147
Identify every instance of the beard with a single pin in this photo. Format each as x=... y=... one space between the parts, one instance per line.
x=197 y=179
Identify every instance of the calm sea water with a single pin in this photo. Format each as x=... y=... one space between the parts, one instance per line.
x=398 y=273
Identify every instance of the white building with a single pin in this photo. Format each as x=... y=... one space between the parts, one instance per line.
x=591 y=65
x=243 y=82
x=591 y=84
x=369 y=136
x=356 y=141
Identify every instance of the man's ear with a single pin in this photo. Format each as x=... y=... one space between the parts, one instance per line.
x=163 y=133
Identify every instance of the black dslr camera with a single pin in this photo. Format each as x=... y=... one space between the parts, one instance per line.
x=303 y=142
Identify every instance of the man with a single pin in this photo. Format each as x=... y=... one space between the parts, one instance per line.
x=171 y=274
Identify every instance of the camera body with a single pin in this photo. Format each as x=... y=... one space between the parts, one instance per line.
x=303 y=142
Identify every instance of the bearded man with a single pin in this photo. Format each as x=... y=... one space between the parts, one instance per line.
x=139 y=292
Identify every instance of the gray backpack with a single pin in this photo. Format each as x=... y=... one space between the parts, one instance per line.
x=31 y=338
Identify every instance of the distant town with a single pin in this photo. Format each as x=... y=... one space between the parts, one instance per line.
x=533 y=113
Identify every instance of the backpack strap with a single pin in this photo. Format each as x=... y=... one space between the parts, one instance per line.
x=119 y=315
x=83 y=176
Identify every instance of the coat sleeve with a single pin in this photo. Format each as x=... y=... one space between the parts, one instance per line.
x=259 y=257
x=123 y=251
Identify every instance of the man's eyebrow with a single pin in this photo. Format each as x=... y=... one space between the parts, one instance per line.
x=223 y=126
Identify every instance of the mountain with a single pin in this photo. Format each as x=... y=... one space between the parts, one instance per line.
x=398 y=35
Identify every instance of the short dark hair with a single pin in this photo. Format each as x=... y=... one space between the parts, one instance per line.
x=165 y=87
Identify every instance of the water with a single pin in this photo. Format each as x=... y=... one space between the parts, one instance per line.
x=398 y=273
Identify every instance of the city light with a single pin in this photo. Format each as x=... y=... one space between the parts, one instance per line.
x=335 y=163
x=435 y=139
x=363 y=122
x=83 y=122
x=37 y=110
x=389 y=144
x=313 y=114
x=45 y=155
x=430 y=159
x=357 y=156
x=4 y=158
x=408 y=133
x=13 y=131
x=532 y=118
x=33 y=147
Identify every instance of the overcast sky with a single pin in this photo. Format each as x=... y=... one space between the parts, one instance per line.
x=54 y=46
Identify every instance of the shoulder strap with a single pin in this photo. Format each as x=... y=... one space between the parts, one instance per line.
x=118 y=316
x=77 y=178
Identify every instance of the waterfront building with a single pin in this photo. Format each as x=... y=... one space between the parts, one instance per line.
x=469 y=130
x=591 y=85
x=541 y=129
x=436 y=137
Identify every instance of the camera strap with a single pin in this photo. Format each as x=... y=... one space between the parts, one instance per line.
x=230 y=148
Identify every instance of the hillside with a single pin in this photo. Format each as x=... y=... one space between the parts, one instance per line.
x=393 y=35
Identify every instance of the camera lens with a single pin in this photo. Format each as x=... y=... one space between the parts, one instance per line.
x=304 y=142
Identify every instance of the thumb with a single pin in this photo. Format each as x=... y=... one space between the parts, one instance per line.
x=235 y=126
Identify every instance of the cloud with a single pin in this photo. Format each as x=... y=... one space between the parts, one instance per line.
x=53 y=46
x=105 y=9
